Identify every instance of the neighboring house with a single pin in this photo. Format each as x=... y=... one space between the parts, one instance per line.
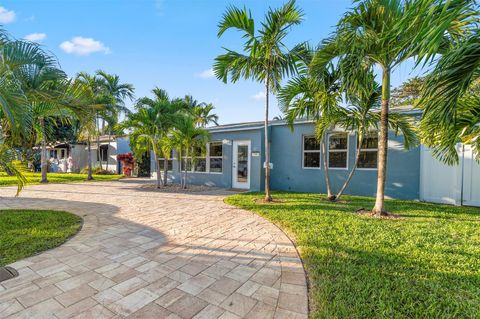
x=235 y=158
x=110 y=147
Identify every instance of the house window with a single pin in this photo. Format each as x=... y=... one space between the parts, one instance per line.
x=161 y=163
x=200 y=160
x=103 y=153
x=189 y=163
x=209 y=162
x=311 y=152
x=215 y=156
x=368 y=151
x=337 y=150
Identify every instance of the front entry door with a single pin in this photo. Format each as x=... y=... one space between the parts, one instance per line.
x=241 y=165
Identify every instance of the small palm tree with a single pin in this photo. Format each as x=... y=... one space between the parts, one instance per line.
x=151 y=123
x=188 y=138
x=265 y=58
x=383 y=34
x=315 y=98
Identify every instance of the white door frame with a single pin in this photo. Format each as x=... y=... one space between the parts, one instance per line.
x=235 y=183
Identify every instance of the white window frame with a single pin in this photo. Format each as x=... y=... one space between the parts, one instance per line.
x=368 y=150
x=347 y=151
x=207 y=160
x=319 y=151
x=214 y=157
x=161 y=159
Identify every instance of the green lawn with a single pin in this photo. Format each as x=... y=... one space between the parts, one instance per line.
x=423 y=265
x=25 y=233
x=34 y=178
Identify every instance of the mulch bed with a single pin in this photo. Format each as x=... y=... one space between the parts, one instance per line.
x=369 y=213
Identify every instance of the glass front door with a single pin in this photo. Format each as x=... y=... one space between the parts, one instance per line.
x=241 y=165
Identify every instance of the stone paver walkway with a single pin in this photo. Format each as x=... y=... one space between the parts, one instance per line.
x=145 y=254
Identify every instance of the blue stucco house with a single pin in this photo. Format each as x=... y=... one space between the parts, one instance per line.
x=235 y=157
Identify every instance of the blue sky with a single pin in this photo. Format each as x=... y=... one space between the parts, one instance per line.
x=166 y=43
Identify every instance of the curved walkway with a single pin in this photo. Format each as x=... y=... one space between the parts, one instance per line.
x=146 y=254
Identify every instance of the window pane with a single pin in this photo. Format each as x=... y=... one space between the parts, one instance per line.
x=311 y=159
x=161 y=164
x=337 y=141
x=370 y=142
x=216 y=165
x=197 y=151
x=189 y=164
x=311 y=144
x=337 y=159
x=200 y=165
x=215 y=149
x=368 y=160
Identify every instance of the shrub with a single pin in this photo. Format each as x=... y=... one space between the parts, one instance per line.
x=96 y=170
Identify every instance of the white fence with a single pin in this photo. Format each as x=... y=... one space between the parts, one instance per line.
x=457 y=185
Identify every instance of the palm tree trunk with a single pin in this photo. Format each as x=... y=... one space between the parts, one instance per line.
x=186 y=170
x=99 y=158
x=330 y=196
x=157 y=168
x=350 y=175
x=43 y=155
x=379 y=209
x=268 y=197
x=89 y=158
x=165 y=171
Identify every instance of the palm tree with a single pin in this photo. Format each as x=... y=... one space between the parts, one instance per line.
x=44 y=87
x=315 y=98
x=383 y=34
x=265 y=58
x=111 y=86
x=101 y=99
x=15 y=115
x=189 y=140
x=151 y=123
x=82 y=94
x=204 y=116
x=451 y=101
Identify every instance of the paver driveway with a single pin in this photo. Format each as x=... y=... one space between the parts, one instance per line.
x=145 y=254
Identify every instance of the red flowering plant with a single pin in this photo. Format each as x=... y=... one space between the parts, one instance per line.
x=127 y=163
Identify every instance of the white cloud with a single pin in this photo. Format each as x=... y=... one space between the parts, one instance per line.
x=84 y=46
x=36 y=37
x=7 y=16
x=259 y=96
x=207 y=74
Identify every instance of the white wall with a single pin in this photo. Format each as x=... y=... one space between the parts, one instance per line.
x=457 y=185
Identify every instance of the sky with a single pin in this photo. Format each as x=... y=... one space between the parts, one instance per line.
x=169 y=44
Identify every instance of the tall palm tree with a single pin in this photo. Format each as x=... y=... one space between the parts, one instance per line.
x=119 y=92
x=151 y=122
x=203 y=114
x=451 y=104
x=82 y=94
x=383 y=34
x=188 y=137
x=265 y=59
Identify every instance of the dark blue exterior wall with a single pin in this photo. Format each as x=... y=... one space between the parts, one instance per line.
x=403 y=166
